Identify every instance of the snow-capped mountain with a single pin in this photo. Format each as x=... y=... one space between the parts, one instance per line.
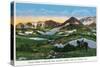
x=88 y=20
x=70 y=23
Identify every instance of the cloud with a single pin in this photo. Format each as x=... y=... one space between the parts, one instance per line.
x=81 y=13
x=53 y=12
x=50 y=12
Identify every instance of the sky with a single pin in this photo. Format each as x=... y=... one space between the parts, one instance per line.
x=28 y=12
x=28 y=9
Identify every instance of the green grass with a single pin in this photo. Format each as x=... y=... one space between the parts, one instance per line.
x=32 y=49
x=44 y=55
x=81 y=53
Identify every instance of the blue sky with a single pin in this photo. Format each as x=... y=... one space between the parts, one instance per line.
x=27 y=9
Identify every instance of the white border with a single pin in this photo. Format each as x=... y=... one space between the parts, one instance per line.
x=49 y=61
x=55 y=61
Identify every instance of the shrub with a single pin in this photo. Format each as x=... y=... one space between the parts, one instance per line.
x=66 y=48
x=69 y=47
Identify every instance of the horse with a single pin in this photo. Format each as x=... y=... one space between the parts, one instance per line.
x=82 y=44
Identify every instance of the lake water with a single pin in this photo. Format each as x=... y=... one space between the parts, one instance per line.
x=37 y=38
x=91 y=43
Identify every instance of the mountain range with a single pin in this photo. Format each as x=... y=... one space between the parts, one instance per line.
x=71 y=23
